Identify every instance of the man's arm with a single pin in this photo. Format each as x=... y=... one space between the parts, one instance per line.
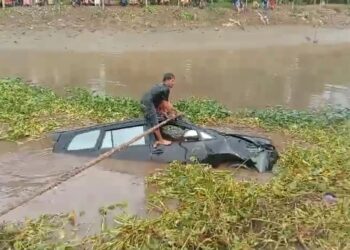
x=166 y=107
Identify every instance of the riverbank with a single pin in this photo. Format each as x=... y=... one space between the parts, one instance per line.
x=117 y=29
x=199 y=39
x=157 y=17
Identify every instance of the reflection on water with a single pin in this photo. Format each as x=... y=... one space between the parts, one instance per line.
x=335 y=95
x=298 y=77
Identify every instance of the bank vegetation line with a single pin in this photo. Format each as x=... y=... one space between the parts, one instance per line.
x=85 y=166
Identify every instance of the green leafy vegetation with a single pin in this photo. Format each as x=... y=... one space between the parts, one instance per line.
x=30 y=111
x=187 y=16
x=214 y=210
x=202 y=110
x=150 y=9
x=45 y=232
x=284 y=118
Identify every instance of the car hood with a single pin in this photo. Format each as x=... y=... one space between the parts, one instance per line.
x=254 y=151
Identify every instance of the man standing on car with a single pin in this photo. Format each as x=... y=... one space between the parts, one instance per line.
x=157 y=100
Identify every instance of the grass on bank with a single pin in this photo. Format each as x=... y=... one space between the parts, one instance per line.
x=215 y=211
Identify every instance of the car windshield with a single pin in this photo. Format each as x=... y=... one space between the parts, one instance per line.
x=172 y=132
x=176 y=133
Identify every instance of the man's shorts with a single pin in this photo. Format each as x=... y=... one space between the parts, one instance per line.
x=150 y=114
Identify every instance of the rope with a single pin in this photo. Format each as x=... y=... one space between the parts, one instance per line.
x=77 y=170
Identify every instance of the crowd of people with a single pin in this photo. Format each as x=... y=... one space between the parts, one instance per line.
x=239 y=5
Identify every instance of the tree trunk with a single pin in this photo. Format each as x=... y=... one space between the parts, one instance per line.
x=58 y=2
x=103 y=4
x=3 y=4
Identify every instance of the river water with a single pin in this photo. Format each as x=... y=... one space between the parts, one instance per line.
x=300 y=77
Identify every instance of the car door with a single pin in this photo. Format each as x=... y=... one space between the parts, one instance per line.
x=138 y=150
x=169 y=153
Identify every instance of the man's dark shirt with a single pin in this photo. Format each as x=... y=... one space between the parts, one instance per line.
x=157 y=94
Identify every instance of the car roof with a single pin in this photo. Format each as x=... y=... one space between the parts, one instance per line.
x=121 y=124
x=135 y=121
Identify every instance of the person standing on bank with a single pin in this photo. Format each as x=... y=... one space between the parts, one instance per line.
x=157 y=100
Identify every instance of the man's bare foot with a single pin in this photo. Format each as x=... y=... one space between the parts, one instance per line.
x=162 y=142
x=165 y=142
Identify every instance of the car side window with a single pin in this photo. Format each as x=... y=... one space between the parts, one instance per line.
x=86 y=140
x=114 y=138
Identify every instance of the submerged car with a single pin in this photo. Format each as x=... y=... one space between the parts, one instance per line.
x=189 y=142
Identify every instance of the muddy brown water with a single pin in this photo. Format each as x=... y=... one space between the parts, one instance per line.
x=300 y=77
x=304 y=76
x=26 y=169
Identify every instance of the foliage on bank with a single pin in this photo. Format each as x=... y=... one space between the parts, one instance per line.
x=30 y=111
x=215 y=211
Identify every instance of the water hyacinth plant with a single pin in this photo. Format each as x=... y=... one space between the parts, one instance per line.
x=30 y=111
